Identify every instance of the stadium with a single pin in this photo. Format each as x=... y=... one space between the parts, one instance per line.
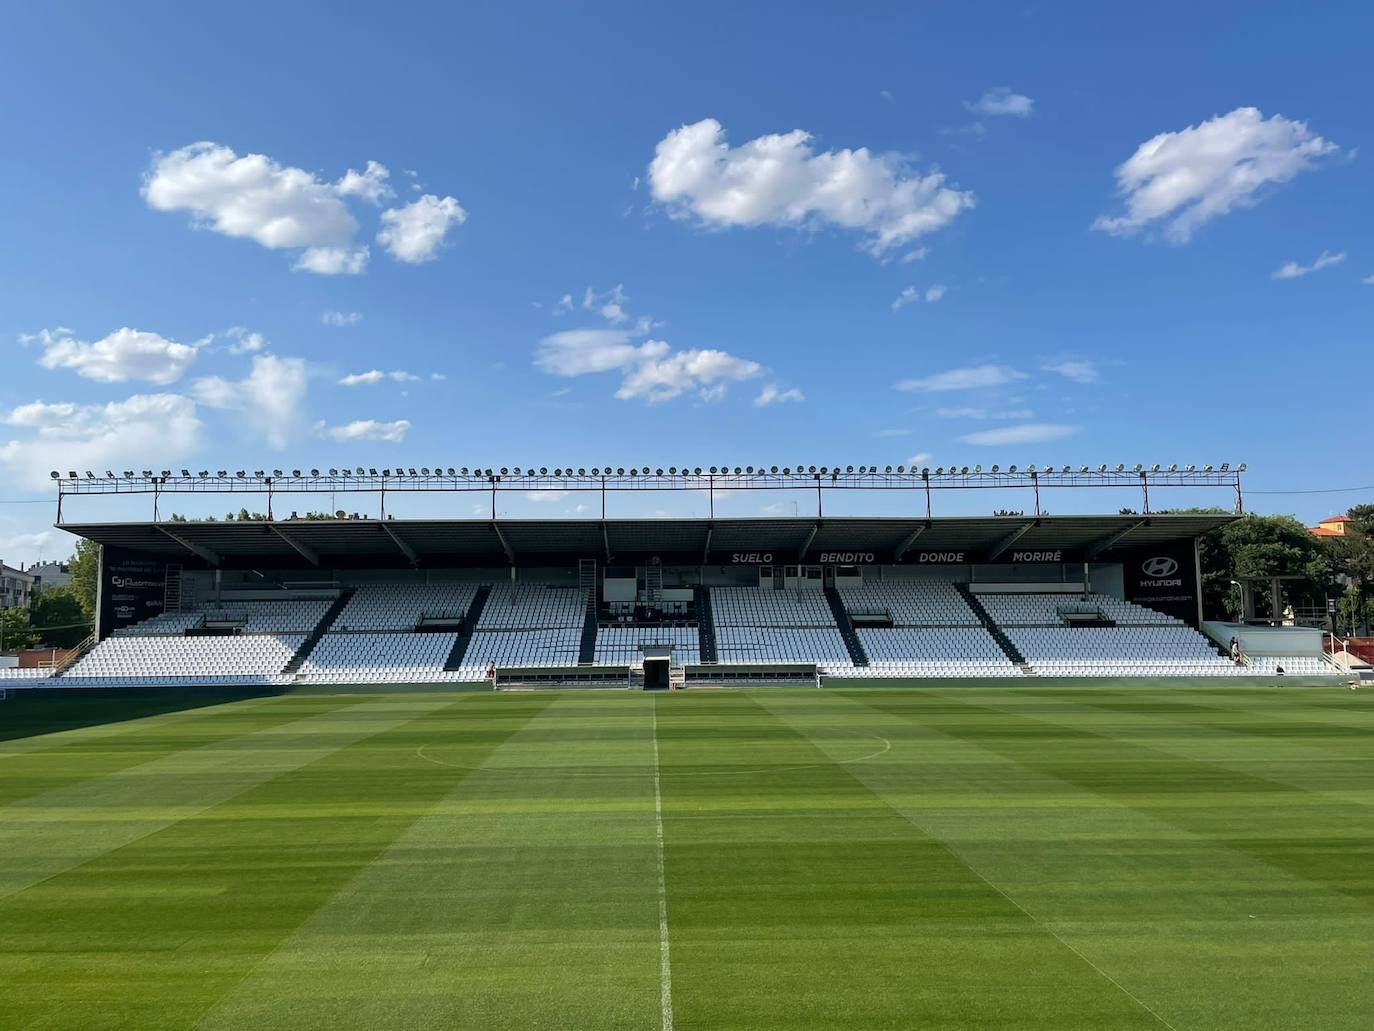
x=817 y=771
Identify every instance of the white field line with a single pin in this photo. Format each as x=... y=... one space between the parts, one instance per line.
x=665 y=964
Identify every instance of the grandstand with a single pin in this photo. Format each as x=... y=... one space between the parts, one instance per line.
x=398 y=601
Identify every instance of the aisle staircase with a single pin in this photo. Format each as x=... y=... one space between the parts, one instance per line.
x=857 y=655
x=474 y=613
x=706 y=624
x=296 y=661
x=1004 y=642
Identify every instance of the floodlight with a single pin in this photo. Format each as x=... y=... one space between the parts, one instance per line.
x=902 y=468
x=1011 y=468
x=55 y=475
x=90 y=475
x=1240 y=468
x=222 y=473
x=165 y=472
x=1173 y=468
x=332 y=472
x=996 y=469
x=109 y=474
x=1102 y=468
x=849 y=469
x=1030 y=468
x=1120 y=467
x=1138 y=467
x=241 y=474
x=1207 y=468
x=147 y=472
x=964 y=471
x=1190 y=469
x=940 y=470
x=1154 y=468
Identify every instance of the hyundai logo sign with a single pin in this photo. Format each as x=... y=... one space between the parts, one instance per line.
x=1159 y=567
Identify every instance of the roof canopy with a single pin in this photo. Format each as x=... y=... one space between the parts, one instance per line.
x=360 y=543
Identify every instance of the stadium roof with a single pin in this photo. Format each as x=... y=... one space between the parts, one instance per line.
x=356 y=543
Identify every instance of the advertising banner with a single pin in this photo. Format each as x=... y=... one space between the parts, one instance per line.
x=132 y=589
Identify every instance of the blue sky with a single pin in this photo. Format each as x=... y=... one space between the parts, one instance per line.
x=614 y=235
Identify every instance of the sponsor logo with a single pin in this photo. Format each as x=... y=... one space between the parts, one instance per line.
x=1159 y=566
x=1037 y=556
x=128 y=584
x=751 y=558
x=940 y=556
x=845 y=557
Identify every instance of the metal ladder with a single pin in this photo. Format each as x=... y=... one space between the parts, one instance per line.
x=171 y=590
x=653 y=584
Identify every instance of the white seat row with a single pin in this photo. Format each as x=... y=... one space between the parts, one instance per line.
x=620 y=646
x=543 y=647
x=935 y=644
x=249 y=658
x=1293 y=666
x=1043 y=609
x=781 y=644
x=537 y=606
x=911 y=603
x=378 y=658
x=402 y=606
x=755 y=607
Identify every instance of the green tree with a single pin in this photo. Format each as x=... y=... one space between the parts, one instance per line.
x=1262 y=545
x=85 y=575
x=57 y=617
x=14 y=630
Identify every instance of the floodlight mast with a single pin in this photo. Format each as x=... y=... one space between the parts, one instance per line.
x=606 y=481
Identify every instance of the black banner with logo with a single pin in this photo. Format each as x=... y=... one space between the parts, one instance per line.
x=1162 y=577
x=132 y=589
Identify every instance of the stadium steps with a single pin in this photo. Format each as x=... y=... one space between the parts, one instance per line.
x=1003 y=641
x=296 y=661
x=586 y=648
x=857 y=655
x=706 y=624
x=460 y=646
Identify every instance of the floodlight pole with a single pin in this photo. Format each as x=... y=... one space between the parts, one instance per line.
x=269 y=499
x=1145 y=489
x=603 y=498
x=711 y=493
x=819 y=509
x=925 y=478
x=383 y=493
x=157 y=494
x=1035 y=484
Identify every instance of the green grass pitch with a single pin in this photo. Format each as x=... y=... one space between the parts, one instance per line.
x=951 y=858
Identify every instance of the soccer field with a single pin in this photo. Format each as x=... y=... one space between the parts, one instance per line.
x=889 y=858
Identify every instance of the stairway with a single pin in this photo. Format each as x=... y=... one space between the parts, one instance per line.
x=171 y=589
x=706 y=624
x=460 y=646
x=998 y=634
x=857 y=655
x=296 y=661
x=586 y=648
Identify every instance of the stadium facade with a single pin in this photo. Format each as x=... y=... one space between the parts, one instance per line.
x=650 y=601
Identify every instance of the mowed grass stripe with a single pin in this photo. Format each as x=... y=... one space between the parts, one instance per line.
x=154 y=934
x=1252 y=806
x=799 y=898
x=36 y=765
x=34 y=718
x=47 y=833
x=525 y=898
x=1211 y=936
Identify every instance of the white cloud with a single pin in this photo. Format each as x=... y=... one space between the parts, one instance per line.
x=1292 y=270
x=341 y=318
x=577 y=352
x=126 y=354
x=610 y=305
x=376 y=376
x=414 y=232
x=772 y=394
x=271 y=396
x=916 y=254
x=250 y=196
x=371 y=185
x=705 y=370
x=74 y=436
x=934 y=293
x=962 y=413
x=780 y=180
x=1079 y=372
x=912 y=295
x=1026 y=433
x=333 y=261
x=564 y=305
x=1187 y=178
x=920 y=458
x=245 y=342
x=964 y=379
x=1000 y=100
x=545 y=495
x=370 y=429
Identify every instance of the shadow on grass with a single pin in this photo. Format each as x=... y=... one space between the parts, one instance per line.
x=28 y=713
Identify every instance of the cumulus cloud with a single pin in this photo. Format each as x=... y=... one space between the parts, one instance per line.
x=341 y=318
x=126 y=354
x=780 y=180
x=772 y=394
x=270 y=396
x=376 y=376
x=1292 y=270
x=333 y=261
x=280 y=207
x=1026 y=433
x=1079 y=372
x=244 y=341
x=652 y=370
x=370 y=429
x=920 y=458
x=1184 y=179
x=66 y=435
x=415 y=232
x=1000 y=100
x=967 y=378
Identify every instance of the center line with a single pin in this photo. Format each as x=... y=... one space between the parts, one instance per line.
x=665 y=974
